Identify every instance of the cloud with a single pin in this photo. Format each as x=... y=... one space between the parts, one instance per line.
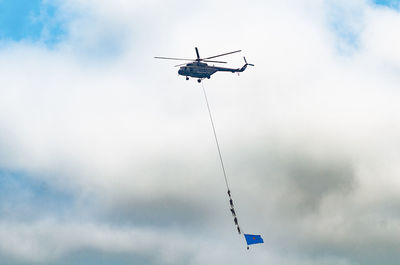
x=48 y=239
x=309 y=135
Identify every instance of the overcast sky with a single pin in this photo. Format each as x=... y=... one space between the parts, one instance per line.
x=107 y=156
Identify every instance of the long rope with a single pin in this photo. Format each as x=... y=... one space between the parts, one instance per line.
x=215 y=137
x=232 y=207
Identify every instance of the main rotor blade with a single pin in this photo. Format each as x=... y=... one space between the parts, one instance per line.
x=215 y=56
x=197 y=53
x=208 y=61
x=180 y=64
x=211 y=61
x=179 y=59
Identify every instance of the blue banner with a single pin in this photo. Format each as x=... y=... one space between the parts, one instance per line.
x=253 y=239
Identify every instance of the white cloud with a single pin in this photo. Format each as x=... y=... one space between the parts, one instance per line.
x=47 y=241
x=309 y=135
x=380 y=39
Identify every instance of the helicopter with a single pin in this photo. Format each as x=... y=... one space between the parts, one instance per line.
x=198 y=68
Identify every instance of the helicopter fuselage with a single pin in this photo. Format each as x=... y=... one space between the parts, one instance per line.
x=203 y=70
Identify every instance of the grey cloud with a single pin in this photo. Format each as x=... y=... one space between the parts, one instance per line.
x=309 y=138
x=310 y=177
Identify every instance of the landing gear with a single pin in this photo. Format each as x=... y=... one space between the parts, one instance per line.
x=187 y=78
x=199 y=80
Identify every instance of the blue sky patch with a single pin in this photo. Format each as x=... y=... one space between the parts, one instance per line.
x=25 y=197
x=345 y=23
x=31 y=20
x=46 y=22
x=389 y=3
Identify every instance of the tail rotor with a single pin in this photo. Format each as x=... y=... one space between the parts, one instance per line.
x=245 y=61
x=245 y=65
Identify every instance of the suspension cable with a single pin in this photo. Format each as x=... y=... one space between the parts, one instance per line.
x=215 y=137
x=232 y=207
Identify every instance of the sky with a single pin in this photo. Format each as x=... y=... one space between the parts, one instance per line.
x=107 y=156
